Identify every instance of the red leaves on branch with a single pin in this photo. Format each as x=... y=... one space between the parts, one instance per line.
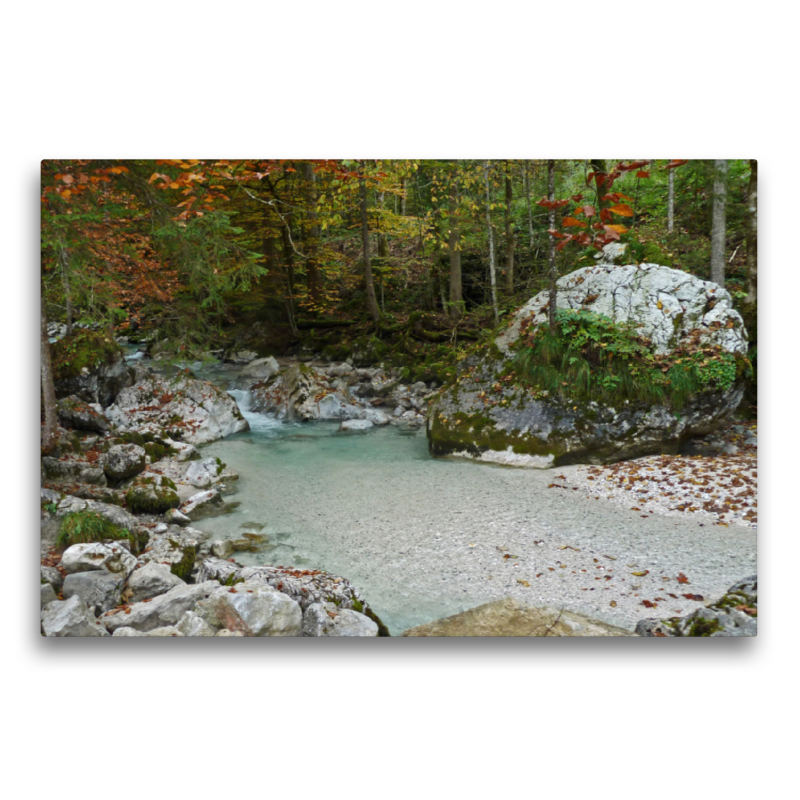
x=679 y=162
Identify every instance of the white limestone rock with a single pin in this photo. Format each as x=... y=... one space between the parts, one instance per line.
x=326 y=619
x=111 y=557
x=150 y=580
x=164 y=610
x=100 y=590
x=260 y=368
x=200 y=411
x=252 y=608
x=70 y=618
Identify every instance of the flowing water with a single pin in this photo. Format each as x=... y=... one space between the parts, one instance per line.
x=423 y=538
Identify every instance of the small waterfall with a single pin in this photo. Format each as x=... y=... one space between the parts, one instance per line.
x=261 y=423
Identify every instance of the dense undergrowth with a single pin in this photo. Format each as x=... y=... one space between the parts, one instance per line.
x=589 y=357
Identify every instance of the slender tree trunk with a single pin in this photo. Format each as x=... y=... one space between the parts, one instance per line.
x=403 y=199
x=49 y=431
x=671 y=202
x=718 y=222
x=752 y=236
x=528 y=198
x=492 y=277
x=383 y=239
x=510 y=239
x=288 y=259
x=312 y=234
x=454 y=248
x=599 y=169
x=372 y=303
x=66 y=286
x=551 y=196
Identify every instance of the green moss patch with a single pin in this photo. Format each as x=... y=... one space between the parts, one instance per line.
x=83 y=350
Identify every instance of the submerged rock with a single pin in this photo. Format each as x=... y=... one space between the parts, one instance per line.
x=509 y=617
x=491 y=414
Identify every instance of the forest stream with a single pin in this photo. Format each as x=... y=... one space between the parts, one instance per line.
x=424 y=537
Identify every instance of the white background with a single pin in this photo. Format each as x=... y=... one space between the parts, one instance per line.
x=393 y=718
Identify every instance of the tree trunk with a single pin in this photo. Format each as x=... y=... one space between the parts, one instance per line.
x=671 y=202
x=403 y=199
x=551 y=196
x=49 y=431
x=454 y=248
x=288 y=258
x=492 y=277
x=372 y=303
x=312 y=234
x=510 y=240
x=599 y=168
x=65 y=284
x=383 y=239
x=718 y=222
x=752 y=235
x=528 y=198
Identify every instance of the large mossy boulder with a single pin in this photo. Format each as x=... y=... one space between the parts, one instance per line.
x=90 y=365
x=643 y=357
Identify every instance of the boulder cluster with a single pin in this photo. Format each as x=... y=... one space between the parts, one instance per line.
x=362 y=397
x=109 y=591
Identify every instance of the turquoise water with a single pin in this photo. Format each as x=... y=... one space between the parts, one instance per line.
x=310 y=488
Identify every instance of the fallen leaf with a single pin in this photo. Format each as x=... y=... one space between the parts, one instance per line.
x=682 y=578
x=524 y=583
x=641 y=574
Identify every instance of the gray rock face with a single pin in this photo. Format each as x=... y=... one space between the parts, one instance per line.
x=193 y=625
x=509 y=617
x=252 y=608
x=100 y=590
x=202 y=504
x=75 y=413
x=48 y=594
x=71 y=470
x=241 y=357
x=203 y=473
x=112 y=558
x=164 y=610
x=124 y=461
x=325 y=619
x=114 y=513
x=100 y=385
x=52 y=576
x=734 y=614
x=151 y=580
x=260 y=368
x=70 y=618
x=197 y=410
x=175 y=549
x=505 y=422
x=303 y=586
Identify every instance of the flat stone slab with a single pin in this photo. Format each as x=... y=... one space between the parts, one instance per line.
x=509 y=617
